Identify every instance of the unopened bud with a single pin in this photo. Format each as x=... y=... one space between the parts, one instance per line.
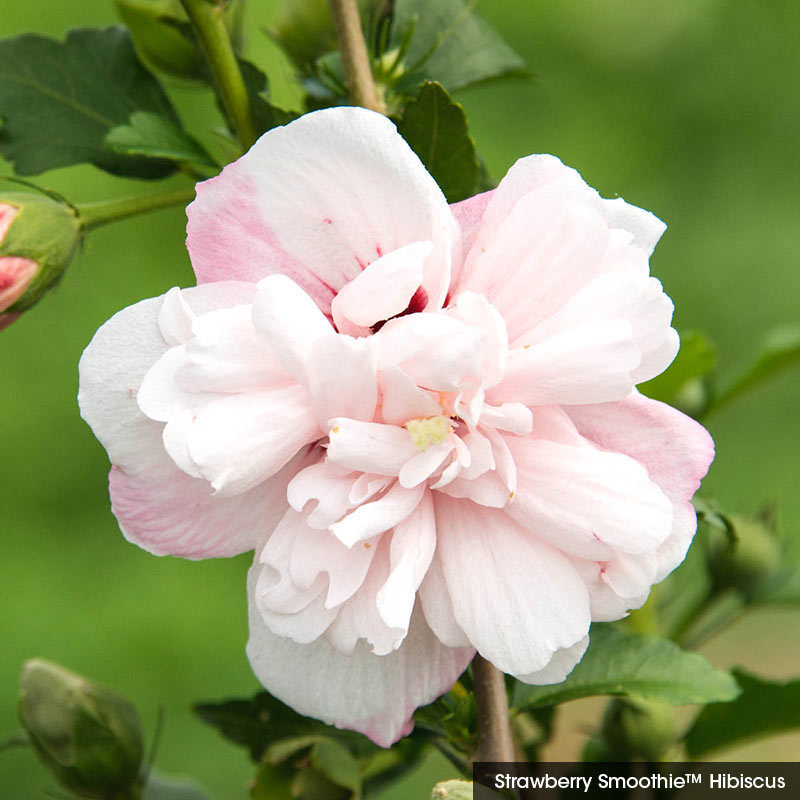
x=88 y=737
x=742 y=557
x=637 y=728
x=38 y=236
x=164 y=38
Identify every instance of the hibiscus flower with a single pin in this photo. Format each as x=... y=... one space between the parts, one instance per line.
x=422 y=417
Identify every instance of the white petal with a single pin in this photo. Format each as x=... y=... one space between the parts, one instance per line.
x=383 y=290
x=342 y=378
x=370 y=446
x=587 y=502
x=365 y=692
x=402 y=399
x=437 y=606
x=560 y=665
x=378 y=516
x=289 y=322
x=320 y=199
x=241 y=440
x=412 y=547
x=328 y=484
x=518 y=599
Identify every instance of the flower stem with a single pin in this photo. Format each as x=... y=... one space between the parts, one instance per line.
x=93 y=215
x=495 y=742
x=355 y=58
x=209 y=26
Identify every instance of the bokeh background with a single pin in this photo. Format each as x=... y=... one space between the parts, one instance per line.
x=690 y=108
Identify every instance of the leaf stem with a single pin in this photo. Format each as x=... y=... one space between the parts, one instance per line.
x=207 y=20
x=101 y=212
x=495 y=742
x=355 y=58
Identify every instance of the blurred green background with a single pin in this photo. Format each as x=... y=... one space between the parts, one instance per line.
x=690 y=108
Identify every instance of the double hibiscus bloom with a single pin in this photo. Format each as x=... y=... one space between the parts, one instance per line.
x=422 y=417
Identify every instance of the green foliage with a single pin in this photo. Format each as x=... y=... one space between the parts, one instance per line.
x=303 y=758
x=154 y=136
x=764 y=707
x=779 y=351
x=164 y=37
x=265 y=115
x=161 y=787
x=448 y=42
x=59 y=100
x=436 y=128
x=682 y=383
x=619 y=663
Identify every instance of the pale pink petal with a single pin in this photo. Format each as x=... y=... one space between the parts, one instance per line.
x=675 y=450
x=636 y=299
x=167 y=512
x=488 y=561
x=383 y=290
x=226 y=354
x=370 y=519
x=375 y=695
x=15 y=276
x=511 y=417
x=468 y=214
x=645 y=227
x=402 y=399
x=436 y=350
x=589 y=363
x=319 y=200
x=486 y=490
x=481 y=456
x=475 y=310
x=587 y=502
x=289 y=322
x=412 y=546
x=560 y=665
x=424 y=464
x=342 y=378
x=606 y=604
x=437 y=605
x=359 y=618
x=370 y=446
x=240 y=440
x=175 y=318
x=114 y=364
x=329 y=485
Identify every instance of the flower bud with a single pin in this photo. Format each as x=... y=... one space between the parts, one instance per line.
x=88 y=737
x=452 y=790
x=637 y=728
x=38 y=236
x=164 y=38
x=743 y=557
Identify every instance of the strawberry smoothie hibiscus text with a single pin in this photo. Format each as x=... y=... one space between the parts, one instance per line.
x=423 y=418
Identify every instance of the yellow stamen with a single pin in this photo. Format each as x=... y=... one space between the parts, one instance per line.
x=429 y=430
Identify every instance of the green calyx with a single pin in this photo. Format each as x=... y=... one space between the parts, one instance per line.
x=88 y=737
x=43 y=230
x=164 y=37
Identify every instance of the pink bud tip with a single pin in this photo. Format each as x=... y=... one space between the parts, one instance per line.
x=15 y=275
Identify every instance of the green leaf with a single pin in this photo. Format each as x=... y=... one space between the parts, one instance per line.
x=436 y=129
x=696 y=359
x=780 y=351
x=265 y=115
x=763 y=708
x=619 y=663
x=450 y=43
x=337 y=764
x=154 y=136
x=59 y=100
x=272 y=782
x=163 y=787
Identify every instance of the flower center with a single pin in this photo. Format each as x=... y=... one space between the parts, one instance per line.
x=427 y=431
